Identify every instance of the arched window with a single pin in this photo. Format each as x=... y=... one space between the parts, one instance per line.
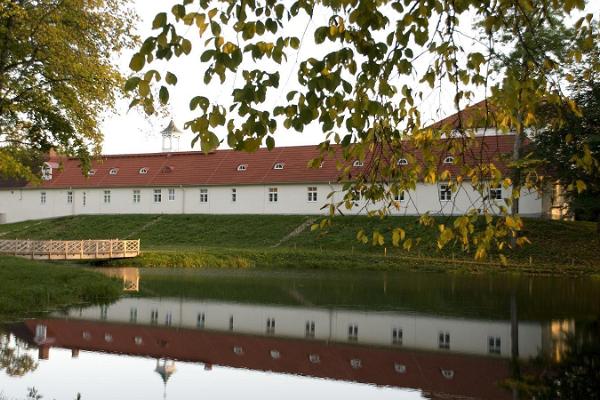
x=113 y=171
x=167 y=169
x=278 y=165
x=143 y=171
x=357 y=163
x=91 y=172
x=242 y=167
x=403 y=161
x=449 y=160
x=448 y=373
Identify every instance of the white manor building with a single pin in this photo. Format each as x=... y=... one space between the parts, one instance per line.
x=231 y=182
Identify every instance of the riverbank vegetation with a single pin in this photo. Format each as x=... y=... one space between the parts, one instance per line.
x=265 y=241
x=31 y=286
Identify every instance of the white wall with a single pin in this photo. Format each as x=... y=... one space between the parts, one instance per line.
x=374 y=328
x=25 y=204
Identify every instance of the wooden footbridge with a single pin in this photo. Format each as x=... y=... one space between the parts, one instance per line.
x=71 y=249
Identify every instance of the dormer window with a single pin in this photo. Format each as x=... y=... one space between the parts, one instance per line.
x=448 y=373
x=278 y=165
x=91 y=172
x=357 y=163
x=242 y=167
x=449 y=160
x=143 y=171
x=167 y=169
x=113 y=171
x=403 y=161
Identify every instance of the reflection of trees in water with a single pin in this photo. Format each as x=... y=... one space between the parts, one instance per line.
x=14 y=359
x=576 y=376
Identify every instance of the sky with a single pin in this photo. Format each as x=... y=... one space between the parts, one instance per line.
x=131 y=131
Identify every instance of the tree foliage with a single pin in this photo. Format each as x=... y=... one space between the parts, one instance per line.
x=57 y=76
x=362 y=83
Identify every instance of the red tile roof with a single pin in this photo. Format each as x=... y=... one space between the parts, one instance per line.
x=221 y=167
x=474 y=376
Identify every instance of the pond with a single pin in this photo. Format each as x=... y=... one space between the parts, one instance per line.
x=223 y=334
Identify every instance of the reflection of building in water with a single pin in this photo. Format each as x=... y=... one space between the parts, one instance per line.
x=442 y=357
x=417 y=331
x=558 y=335
x=129 y=275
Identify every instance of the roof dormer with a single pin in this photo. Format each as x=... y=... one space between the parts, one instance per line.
x=279 y=165
x=113 y=171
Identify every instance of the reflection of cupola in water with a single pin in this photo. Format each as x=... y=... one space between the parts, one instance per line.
x=170 y=137
x=165 y=368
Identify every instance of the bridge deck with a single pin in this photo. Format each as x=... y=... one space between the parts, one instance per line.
x=71 y=249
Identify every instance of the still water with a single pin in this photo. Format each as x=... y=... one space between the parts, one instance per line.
x=210 y=334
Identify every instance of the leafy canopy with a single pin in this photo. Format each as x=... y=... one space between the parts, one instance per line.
x=57 y=77
x=362 y=82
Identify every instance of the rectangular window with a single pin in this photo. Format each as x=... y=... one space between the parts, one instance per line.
x=445 y=192
x=353 y=332
x=70 y=197
x=137 y=196
x=200 y=319
x=233 y=195
x=133 y=315
x=312 y=193
x=84 y=199
x=154 y=317
x=103 y=312
x=270 y=326
x=444 y=340
x=171 y=194
x=310 y=329
x=203 y=195
x=273 y=195
x=397 y=336
x=494 y=345
x=399 y=196
x=107 y=196
x=496 y=192
x=157 y=195
x=43 y=198
x=168 y=319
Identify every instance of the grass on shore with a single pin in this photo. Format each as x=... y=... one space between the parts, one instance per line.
x=32 y=286
x=243 y=241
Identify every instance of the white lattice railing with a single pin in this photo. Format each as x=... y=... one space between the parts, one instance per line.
x=71 y=249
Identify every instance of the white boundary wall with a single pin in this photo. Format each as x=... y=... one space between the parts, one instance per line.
x=26 y=204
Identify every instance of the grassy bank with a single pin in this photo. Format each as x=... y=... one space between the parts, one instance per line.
x=249 y=241
x=31 y=286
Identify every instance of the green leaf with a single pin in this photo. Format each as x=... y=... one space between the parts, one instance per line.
x=270 y=142
x=132 y=83
x=160 y=20
x=171 y=78
x=137 y=62
x=163 y=95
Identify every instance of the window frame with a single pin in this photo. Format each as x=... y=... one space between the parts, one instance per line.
x=242 y=167
x=402 y=161
x=137 y=196
x=233 y=195
x=107 y=196
x=279 y=166
x=69 y=197
x=312 y=194
x=358 y=164
x=43 y=197
x=400 y=196
x=449 y=160
x=157 y=196
x=444 y=195
x=273 y=195
x=113 y=171
x=203 y=195
x=495 y=192
x=171 y=194
x=143 y=171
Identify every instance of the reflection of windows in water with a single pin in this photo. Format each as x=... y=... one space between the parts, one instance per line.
x=200 y=319
x=444 y=340
x=103 y=312
x=133 y=315
x=270 y=325
x=397 y=336
x=494 y=345
x=353 y=332
x=231 y=323
x=168 y=319
x=310 y=329
x=154 y=317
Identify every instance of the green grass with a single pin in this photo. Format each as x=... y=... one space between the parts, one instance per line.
x=246 y=241
x=32 y=287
